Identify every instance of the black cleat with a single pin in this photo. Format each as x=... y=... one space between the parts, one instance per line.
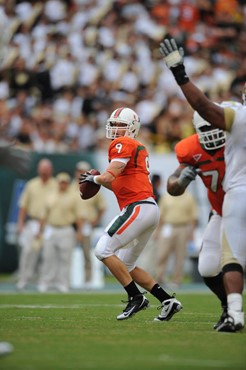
x=135 y=304
x=232 y=325
x=227 y=326
x=222 y=318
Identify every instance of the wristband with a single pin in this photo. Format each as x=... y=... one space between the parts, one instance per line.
x=180 y=74
x=95 y=180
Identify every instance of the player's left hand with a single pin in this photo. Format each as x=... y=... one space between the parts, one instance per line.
x=86 y=177
x=187 y=175
x=172 y=55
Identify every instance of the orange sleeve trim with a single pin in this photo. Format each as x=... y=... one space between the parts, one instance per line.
x=131 y=219
x=111 y=173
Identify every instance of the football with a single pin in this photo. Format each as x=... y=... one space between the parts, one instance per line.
x=89 y=189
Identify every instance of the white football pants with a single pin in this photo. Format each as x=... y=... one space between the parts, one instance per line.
x=234 y=227
x=128 y=233
x=209 y=261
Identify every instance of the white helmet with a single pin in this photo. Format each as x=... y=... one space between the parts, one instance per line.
x=211 y=139
x=129 y=120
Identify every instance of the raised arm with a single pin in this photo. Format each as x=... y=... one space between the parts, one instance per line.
x=173 y=58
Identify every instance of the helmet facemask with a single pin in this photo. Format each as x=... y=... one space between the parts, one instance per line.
x=210 y=138
x=126 y=120
x=113 y=127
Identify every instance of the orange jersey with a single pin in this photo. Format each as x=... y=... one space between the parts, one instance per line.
x=133 y=184
x=190 y=152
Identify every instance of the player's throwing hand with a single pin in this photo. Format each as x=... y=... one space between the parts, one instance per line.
x=86 y=177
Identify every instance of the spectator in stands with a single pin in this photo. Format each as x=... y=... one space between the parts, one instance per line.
x=91 y=212
x=21 y=78
x=59 y=213
x=177 y=224
x=31 y=209
x=55 y=45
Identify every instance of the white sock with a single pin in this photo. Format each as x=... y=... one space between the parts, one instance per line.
x=235 y=302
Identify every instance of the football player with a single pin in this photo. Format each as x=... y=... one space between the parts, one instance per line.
x=203 y=154
x=126 y=236
x=233 y=120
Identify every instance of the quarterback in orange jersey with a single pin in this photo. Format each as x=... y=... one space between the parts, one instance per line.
x=203 y=154
x=127 y=234
x=133 y=183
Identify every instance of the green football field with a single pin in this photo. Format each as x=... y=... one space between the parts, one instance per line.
x=79 y=331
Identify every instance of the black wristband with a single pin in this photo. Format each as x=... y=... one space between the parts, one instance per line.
x=180 y=74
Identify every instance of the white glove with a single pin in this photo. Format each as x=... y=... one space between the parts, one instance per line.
x=86 y=177
x=172 y=55
x=187 y=175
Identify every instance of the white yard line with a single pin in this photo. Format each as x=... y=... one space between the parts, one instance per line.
x=83 y=305
x=47 y=306
x=197 y=363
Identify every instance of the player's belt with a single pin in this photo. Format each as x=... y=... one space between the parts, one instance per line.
x=123 y=218
x=141 y=202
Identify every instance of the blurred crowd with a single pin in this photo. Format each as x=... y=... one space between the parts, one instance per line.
x=69 y=63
